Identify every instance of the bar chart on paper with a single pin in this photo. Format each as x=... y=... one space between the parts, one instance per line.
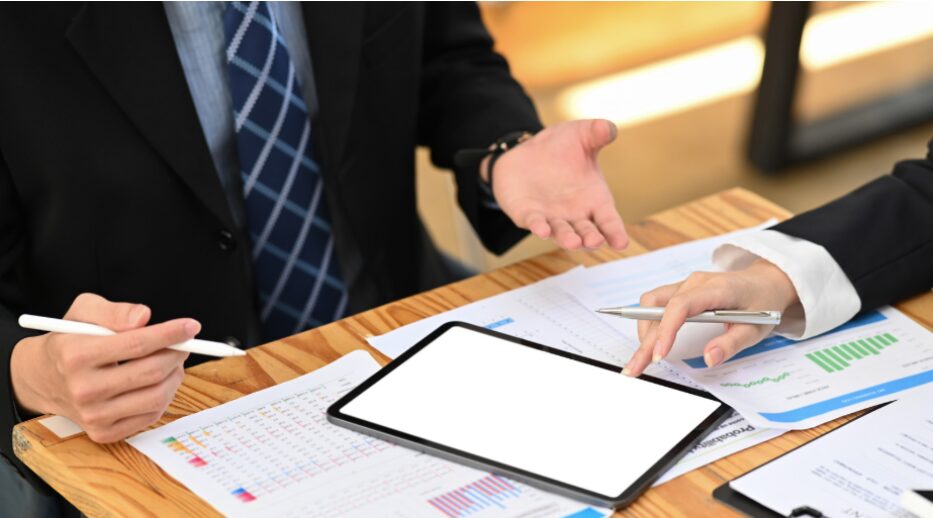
x=839 y=357
x=867 y=361
x=773 y=343
x=274 y=453
x=799 y=384
x=491 y=491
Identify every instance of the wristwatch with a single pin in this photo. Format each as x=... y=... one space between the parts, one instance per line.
x=474 y=157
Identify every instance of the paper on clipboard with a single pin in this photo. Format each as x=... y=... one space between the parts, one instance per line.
x=860 y=469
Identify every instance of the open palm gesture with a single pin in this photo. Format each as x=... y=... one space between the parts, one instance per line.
x=552 y=186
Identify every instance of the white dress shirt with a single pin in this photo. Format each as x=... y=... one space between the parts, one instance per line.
x=827 y=297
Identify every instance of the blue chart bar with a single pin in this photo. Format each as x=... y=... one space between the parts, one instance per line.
x=503 y=322
x=776 y=342
x=488 y=492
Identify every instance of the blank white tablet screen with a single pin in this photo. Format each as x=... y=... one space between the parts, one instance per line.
x=575 y=423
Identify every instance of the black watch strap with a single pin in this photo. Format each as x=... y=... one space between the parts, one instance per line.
x=501 y=146
x=474 y=157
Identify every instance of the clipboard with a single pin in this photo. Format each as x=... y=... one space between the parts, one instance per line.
x=738 y=501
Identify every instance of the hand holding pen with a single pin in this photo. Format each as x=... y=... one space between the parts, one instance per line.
x=759 y=287
x=112 y=380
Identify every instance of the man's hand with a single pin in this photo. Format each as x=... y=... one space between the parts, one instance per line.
x=552 y=186
x=761 y=286
x=112 y=386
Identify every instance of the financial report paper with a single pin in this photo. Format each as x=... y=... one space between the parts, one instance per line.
x=778 y=383
x=273 y=453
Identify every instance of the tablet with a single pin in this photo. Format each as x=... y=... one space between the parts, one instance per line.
x=549 y=418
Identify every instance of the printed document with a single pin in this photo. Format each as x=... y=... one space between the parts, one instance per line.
x=273 y=453
x=777 y=383
x=859 y=469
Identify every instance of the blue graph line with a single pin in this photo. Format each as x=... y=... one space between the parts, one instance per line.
x=776 y=342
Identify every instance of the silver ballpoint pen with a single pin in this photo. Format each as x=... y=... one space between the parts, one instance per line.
x=719 y=316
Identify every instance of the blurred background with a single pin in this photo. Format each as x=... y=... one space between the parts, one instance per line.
x=846 y=92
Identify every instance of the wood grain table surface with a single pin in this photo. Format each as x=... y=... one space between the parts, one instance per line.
x=115 y=479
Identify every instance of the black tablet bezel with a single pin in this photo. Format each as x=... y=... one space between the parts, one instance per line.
x=336 y=416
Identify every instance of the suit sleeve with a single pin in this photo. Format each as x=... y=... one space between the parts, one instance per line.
x=468 y=100
x=881 y=234
x=11 y=245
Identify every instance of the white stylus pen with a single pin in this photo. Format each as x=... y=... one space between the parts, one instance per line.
x=55 y=325
x=719 y=316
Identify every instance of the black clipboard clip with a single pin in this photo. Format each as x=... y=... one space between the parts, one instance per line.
x=749 y=507
x=806 y=510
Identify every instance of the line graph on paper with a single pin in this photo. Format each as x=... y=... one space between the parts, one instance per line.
x=760 y=381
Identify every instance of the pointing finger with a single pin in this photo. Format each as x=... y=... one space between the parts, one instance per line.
x=655 y=298
x=642 y=357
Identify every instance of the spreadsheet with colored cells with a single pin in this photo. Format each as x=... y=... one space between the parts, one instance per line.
x=274 y=453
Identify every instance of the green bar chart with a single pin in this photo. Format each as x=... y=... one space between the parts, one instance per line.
x=840 y=357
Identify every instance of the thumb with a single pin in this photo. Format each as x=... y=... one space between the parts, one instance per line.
x=597 y=133
x=736 y=338
x=118 y=316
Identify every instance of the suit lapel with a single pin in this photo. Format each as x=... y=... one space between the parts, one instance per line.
x=335 y=38
x=130 y=49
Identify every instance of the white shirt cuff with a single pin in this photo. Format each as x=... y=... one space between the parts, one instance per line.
x=827 y=297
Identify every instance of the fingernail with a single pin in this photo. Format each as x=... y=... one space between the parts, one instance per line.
x=658 y=346
x=613 y=130
x=192 y=327
x=626 y=371
x=137 y=314
x=713 y=357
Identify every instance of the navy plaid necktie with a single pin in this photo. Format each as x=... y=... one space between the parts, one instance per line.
x=294 y=260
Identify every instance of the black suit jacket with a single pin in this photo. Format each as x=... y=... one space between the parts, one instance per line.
x=881 y=234
x=107 y=184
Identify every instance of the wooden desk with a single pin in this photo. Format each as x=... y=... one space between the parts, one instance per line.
x=117 y=480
